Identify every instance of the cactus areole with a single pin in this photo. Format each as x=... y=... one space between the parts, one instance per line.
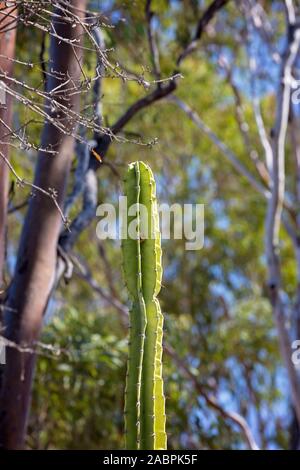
x=144 y=396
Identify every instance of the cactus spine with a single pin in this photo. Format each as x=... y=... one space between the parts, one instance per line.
x=144 y=396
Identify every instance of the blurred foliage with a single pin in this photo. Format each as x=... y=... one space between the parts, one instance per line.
x=79 y=393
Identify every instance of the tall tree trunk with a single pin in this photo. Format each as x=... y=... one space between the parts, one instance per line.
x=7 y=53
x=36 y=261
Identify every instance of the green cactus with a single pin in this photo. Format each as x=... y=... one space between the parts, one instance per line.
x=144 y=397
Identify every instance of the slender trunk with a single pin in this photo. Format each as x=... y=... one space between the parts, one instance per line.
x=7 y=52
x=36 y=261
x=295 y=143
x=276 y=203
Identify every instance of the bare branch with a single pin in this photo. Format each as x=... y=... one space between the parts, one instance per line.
x=156 y=95
x=212 y=401
x=205 y=19
x=244 y=127
x=51 y=193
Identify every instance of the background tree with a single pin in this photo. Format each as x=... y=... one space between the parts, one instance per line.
x=7 y=50
x=30 y=288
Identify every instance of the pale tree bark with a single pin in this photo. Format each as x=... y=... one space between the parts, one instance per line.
x=275 y=198
x=36 y=261
x=274 y=149
x=295 y=143
x=275 y=204
x=7 y=52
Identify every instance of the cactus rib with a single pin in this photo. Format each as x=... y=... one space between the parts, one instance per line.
x=132 y=269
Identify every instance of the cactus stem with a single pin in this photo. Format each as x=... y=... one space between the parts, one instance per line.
x=145 y=401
